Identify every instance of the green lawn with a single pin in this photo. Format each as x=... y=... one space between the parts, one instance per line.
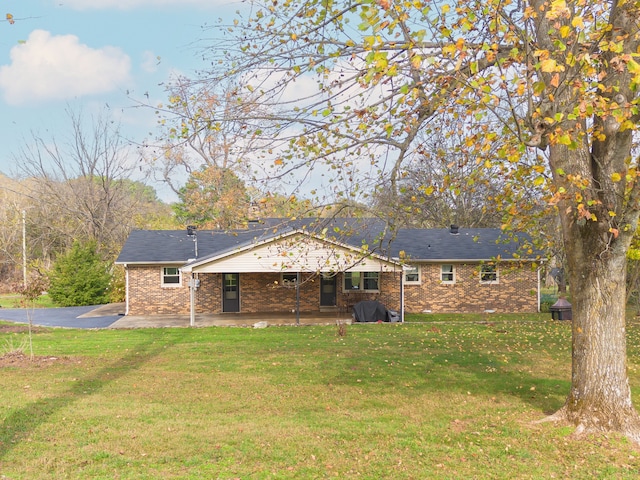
x=16 y=300
x=425 y=400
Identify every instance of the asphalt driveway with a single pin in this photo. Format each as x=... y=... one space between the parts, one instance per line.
x=112 y=316
x=96 y=316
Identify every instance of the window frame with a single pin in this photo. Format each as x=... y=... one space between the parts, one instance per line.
x=413 y=270
x=164 y=275
x=488 y=269
x=363 y=277
x=452 y=273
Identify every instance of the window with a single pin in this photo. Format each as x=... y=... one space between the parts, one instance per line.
x=412 y=274
x=447 y=273
x=289 y=279
x=171 y=277
x=488 y=274
x=370 y=280
x=352 y=281
x=364 y=281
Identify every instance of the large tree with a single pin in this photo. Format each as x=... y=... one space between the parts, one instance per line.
x=80 y=187
x=558 y=77
x=443 y=186
x=204 y=127
x=213 y=198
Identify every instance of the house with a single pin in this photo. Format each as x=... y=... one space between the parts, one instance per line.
x=324 y=265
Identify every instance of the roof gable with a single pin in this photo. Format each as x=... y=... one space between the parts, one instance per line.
x=296 y=251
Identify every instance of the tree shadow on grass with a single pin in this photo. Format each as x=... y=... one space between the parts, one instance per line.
x=486 y=375
x=21 y=423
x=463 y=372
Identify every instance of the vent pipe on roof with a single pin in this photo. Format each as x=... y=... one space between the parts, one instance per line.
x=454 y=230
x=191 y=232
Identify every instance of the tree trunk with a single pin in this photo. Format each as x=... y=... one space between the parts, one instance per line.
x=600 y=396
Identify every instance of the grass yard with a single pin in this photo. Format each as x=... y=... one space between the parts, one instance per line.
x=386 y=401
x=15 y=300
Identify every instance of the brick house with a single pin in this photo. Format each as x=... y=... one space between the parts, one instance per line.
x=324 y=265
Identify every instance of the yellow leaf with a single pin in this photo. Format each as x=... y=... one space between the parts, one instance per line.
x=577 y=22
x=558 y=9
x=564 y=139
x=548 y=66
x=445 y=8
x=448 y=49
x=616 y=177
x=278 y=161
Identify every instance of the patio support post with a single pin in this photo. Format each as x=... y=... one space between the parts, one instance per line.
x=192 y=301
x=402 y=295
x=539 y=268
x=298 y=298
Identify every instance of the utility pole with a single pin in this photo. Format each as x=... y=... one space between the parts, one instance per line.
x=24 y=248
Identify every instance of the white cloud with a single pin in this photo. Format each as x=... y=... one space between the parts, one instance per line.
x=133 y=4
x=59 y=67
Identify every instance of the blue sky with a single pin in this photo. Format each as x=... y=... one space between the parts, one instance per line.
x=87 y=54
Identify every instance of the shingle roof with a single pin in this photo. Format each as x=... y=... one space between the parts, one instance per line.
x=441 y=244
x=175 y=246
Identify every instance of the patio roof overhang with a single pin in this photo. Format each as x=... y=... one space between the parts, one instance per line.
x=296 y=251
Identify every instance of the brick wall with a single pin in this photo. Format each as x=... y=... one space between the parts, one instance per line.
x=259 y=292
x=263 y=292
x=389 y=294
x=209 y=294
x=515 y=291
x=148 y=297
